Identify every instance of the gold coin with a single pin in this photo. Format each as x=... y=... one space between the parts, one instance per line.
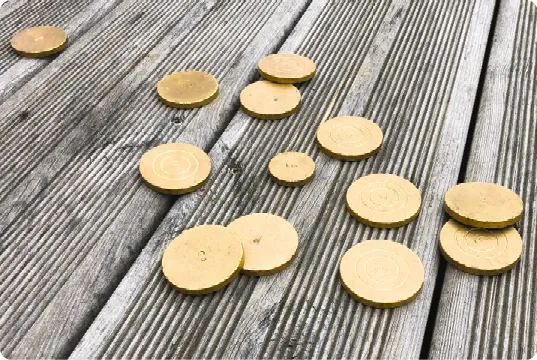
x=480 y=251
x=39 y=41
x=349 y=138
x=291 y=168
x=286 y=68
x=382 y=273
x=383 y=200
x=203 y=259
x=175 y=168
x=483 y=205
x=269 y=242
x=269 y=101
x=187 y=89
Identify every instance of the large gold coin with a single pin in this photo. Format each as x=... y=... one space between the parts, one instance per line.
x=203 y=259
x=382 y=273
x=483 y=205
x=349 y=138
x=286 y=68
x=187 y=89
x=39 y=41
x=269 y=241
x=175 y=168
x=291 y=168
x=269 y=101
x=480 y=251
x=383 y=200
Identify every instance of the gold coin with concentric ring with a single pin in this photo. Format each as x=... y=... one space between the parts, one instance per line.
x=269 y=101
x=383 y=200
x=270 y=242
x=349 y=138
x=39 y=41
x=483 y=205
x=382 y=273
x=286 y=68
x=291 y=168
x=203 y=259
x=480 y=251
x=175 y=168
x=187 y=89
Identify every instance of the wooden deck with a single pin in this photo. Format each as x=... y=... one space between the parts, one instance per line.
x=453 y=85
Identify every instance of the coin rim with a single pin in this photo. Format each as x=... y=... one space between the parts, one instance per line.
x=291 y=183
x=474 y=270
x=280 y=80
x=362 y=156
x=211 y=289
x=375 y=224
x=40 y=54
x=189 y=105
x=270 y=116
x=277 y=269
x=478 y=223
x=379 y=304
x=174 y=191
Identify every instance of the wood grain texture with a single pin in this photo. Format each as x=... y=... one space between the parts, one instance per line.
x=74 y=211
x=496 y=317
x=412 y=67
x=75 y=17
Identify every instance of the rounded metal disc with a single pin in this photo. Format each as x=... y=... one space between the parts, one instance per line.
x=39 y=41
x=291 y=168
x=383 y=200
x=175 y=168
x=187 y=89
x=269 y=101
x=349 y=138
x=483 y=205
x=382 y=273
x=203 y=259
x=480 y=251
x=270 y=242
x=286 y=68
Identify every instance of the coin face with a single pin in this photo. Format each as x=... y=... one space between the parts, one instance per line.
x=349 y=138
x=382 y=273
x=483 y=205
x=383 y=200
x=203 y=259
x=175 y=168
x=291 y=168
x=480 y=251
x=270 y=242
x=286 y=68
x=187 y=89
x=269 y=101
x=39 y=41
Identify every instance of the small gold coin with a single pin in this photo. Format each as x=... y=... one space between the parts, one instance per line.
x=203 y=259
x=480 y=251
x=286 y=68
x=349 y=138
x=269 y=101
x=175 y=168
x=383 y=200
x=39 y=41
x=269 y=241
x=291 y=168
x=483 y=205
x=187 y=89
x=382 y=273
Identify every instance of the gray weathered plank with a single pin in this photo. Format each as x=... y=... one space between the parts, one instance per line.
x=74 y=213
x=75 y=17
x=413 y=67
x=496 y=317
